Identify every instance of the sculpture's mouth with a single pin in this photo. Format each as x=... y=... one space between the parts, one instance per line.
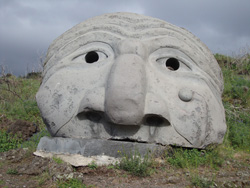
x=150 y=123
x=149 y=119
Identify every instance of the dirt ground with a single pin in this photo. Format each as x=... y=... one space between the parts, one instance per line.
x=20 y=168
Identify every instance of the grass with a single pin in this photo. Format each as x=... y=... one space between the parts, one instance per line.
x=238 y=133
x=57 y=160
x=201 y=182
x=92 y=165
x=135 y=164
x=45 y=176
x=236 y=100
x=72 y=183
x=193 y=158
x=17 y=101
x=8 y=141
x=18 y=98
x=12 y=171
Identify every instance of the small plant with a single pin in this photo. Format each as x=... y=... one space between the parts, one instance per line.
x=92 y=165
x=201 y=182
x=57 y=160
x=12 y=171
x=135 y=164
x=45 y=176
x=111 y=166
x=72 y=183
x=8 y=141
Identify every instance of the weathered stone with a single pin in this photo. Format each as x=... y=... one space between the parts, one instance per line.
x=125 y=76
x=95 y=147
x=81 y=152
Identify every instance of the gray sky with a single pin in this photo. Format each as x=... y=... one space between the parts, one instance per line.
x=27 y=27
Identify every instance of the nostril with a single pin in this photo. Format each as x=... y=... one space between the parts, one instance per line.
x=93 y=116
x=154 y=120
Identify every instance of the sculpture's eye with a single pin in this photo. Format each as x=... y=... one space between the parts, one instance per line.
x=90 y=57
x=172 y=64
x=94 y=56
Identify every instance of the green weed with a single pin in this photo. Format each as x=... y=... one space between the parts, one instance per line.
x=45 y=176
x=135 y=164
x=72 y=183
x=92 y=165
x=8 y=141
x=57 y=160
x=12 y=171
x=201 y=182
x=111 y=166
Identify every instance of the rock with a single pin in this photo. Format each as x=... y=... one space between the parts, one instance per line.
x=173 y=180
x=81 y=152
x=129 y=77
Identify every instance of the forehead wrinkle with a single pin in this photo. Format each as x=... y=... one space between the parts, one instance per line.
x=139 y=30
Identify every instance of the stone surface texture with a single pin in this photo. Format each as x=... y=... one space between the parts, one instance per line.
x=81 y=152
x=124 y=76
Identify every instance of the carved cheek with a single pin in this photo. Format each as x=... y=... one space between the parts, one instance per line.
x=190 y=116
x=57 y=101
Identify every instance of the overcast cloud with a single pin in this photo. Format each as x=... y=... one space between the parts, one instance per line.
x=27 y=27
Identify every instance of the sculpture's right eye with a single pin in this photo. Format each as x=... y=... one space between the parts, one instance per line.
x=91 y=57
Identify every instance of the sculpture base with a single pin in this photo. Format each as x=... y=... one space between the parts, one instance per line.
x=81 y=152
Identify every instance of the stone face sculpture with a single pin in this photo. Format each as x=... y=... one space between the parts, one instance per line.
x=130 y=77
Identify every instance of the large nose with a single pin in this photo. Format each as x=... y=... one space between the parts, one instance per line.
x=126 y=90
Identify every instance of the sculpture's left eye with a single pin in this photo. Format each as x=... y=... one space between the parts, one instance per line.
x=172 y=64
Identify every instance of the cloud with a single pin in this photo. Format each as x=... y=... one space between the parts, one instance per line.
x=28 y=26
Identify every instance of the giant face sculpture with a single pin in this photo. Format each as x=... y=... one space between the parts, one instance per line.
x=125 y=76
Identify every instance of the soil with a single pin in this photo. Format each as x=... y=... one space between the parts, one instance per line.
x=23 y=129
x=20 y=168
